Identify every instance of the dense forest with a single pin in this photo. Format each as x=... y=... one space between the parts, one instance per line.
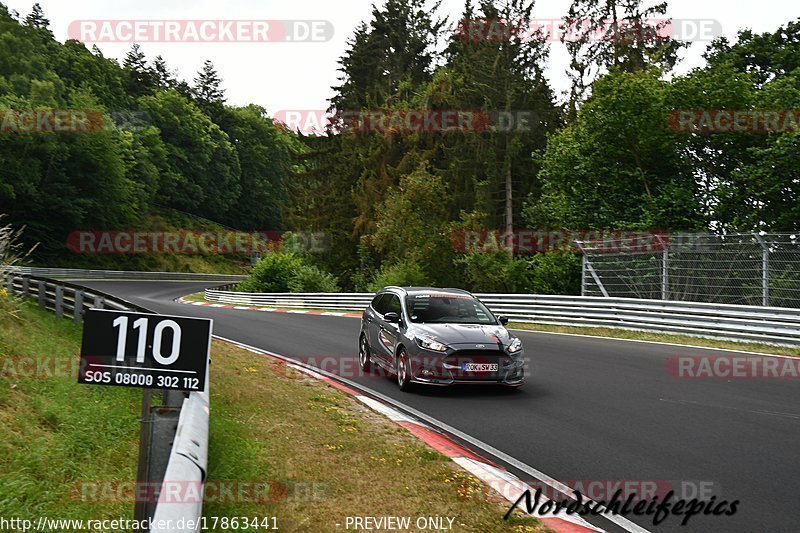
x=390 y=201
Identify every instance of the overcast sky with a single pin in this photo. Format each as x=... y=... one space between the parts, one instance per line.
x=285 y=76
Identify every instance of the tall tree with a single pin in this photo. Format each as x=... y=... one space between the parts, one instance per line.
x=608 y=34
x=141 y=78
x=208 y=89
x=165 y=78
x=751 y=179
x=390 y=56
x=501 y=74
x=618 y=166
x=37 y=18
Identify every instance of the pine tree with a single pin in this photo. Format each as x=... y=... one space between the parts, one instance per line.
x=208 y=86
x=499 y=71
x=141 y=78
x=394 y=51
x=165 y=78
x=37 y=19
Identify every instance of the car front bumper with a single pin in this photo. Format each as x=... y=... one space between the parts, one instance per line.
x=448 y=368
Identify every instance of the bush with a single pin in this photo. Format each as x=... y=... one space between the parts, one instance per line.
x=287 y=272
x=309 y=278
x=555 y=273
x=404 y=274
x=493 y=272
x=544 y=273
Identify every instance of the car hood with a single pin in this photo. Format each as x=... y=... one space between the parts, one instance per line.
x=465 y=333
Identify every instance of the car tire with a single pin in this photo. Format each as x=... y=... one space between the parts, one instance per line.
x=364 y=359
x=403 y=370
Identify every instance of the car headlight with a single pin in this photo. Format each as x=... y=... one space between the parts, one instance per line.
x=515 y=346
x=430 y=343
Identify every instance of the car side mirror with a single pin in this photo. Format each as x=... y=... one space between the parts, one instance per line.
x=503 y=320
x=391 y=317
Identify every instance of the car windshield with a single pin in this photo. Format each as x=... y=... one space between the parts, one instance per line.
x=447 y=308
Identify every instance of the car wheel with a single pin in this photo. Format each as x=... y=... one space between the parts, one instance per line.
x=363 y=354
x=403 y=371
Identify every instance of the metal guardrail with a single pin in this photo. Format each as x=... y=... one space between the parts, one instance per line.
x=322 y=300
x=62 y=297
x=77 y=273
x=186 y=442
x=771 y=325
x=187 y=466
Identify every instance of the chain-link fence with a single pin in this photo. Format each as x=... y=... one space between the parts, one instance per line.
x=745 y=269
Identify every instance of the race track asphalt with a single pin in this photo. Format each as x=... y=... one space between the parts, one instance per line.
x=593 y=409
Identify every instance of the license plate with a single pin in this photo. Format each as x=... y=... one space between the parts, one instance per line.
x=479 y=367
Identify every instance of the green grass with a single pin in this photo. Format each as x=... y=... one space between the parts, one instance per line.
x=659 y=337
x=56 y=434
x=164 y=220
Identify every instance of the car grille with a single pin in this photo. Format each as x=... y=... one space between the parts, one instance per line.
x=456 y=360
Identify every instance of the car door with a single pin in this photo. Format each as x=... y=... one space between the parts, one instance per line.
x=371 y=317
x=388 y=331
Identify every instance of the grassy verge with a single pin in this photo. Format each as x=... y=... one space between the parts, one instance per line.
x=196 y=297
x=659 y=337
x=159 y=220
x=323 y=455
x=54 y=433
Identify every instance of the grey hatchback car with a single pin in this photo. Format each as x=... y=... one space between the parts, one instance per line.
x=438 y=337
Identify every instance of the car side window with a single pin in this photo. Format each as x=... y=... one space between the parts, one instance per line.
x=379 y=303
x=392 y=304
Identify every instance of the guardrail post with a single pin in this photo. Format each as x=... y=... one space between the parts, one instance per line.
x=42 y=294
x=59 y=304
x=26 y=290
x=10 y=281
x=77 y=313
x=99 y=302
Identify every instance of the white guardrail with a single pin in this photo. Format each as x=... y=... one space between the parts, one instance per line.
x=77 y=273
x=771 y=325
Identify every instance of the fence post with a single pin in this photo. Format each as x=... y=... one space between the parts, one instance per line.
x=59 y=304
x=42 y=295
x=588 y=266
x=764 y=270
x=77 y=314
x=583 y=274
x=664 y=269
